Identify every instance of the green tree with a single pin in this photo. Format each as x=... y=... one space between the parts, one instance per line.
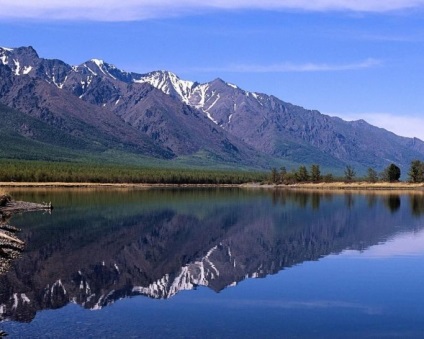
x=391 y=173
x=302 y=174
x=416 y=171
x=274 y=175
x=349 y=173
x=290 y=178
x=372 y=175
x=315 y=173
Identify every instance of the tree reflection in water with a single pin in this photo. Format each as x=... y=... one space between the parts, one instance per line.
x=417 y=204
x=393 y=202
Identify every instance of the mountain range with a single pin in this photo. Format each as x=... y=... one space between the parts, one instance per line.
x=97 y=110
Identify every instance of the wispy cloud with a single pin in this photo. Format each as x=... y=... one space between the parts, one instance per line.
x=116 y=10
x=287 y=67
x=404 y=125
x=293 y=304
x=406 y=244
x=392 y=38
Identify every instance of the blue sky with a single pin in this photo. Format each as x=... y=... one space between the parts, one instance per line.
x=346 y=58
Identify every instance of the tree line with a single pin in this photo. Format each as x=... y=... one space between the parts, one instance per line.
x=40 y=171
x=391 y=173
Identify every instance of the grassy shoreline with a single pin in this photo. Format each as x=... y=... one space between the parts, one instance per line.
x=303 y=186
x=362 y=185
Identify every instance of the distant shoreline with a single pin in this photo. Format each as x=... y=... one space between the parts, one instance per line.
x=303 y=186
x=101 y=185
x=343 y=186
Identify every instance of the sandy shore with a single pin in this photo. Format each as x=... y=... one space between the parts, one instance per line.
x=360 y=186
x=311 y=186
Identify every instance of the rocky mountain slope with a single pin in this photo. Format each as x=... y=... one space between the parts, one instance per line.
x=160 y=115
x=146 y=121
x=288 y=131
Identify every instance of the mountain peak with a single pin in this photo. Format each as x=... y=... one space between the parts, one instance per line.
x=20 y=52
x=98 y=62
x=21 y=60
x=221 y=82
x=100 y=67
x=163 y=74
x=169 y=83
x=26 y=51
x=218 y=80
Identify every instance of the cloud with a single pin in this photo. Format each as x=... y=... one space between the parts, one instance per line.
x=407 y=126
x=128 y=10
x=307 y=304
x=293 y=304
x=405 y=244
x=291 y=67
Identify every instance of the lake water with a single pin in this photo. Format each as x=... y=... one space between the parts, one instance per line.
x=217 y=263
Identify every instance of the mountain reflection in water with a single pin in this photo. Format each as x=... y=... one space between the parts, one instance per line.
x=99 y=246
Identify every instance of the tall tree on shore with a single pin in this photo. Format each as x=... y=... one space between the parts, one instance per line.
x=416 y=171
x=315 y=173
x=274 y=175
x=302 y=174
x=372 y=175
x=349 y=173
x=391 y=173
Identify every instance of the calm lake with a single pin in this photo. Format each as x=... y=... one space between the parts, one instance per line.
x=217 y=263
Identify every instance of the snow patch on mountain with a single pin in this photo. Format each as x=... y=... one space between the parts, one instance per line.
x=4 y=59
x=200 y=96
x=17 y=66
x=98 y=62
x=27 y=69
x=103 y=67
x=216 y=100
x=168 y=83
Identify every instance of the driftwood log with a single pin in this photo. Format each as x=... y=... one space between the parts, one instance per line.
x=8 y=205
x=10 y=245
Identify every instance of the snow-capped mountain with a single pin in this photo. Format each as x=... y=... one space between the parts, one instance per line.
x=287 y=131
x=169 y=83
x=25 y=61
x=217 y=119
x=96 y=96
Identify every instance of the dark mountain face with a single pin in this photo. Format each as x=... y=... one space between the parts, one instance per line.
x=160 y=115
x=64 y=112
x=166 y=120
x=293 y=133
x=96 y=100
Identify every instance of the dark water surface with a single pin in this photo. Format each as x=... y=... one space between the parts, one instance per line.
x=215 y=263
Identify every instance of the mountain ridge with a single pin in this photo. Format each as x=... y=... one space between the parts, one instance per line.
x=217 y=117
